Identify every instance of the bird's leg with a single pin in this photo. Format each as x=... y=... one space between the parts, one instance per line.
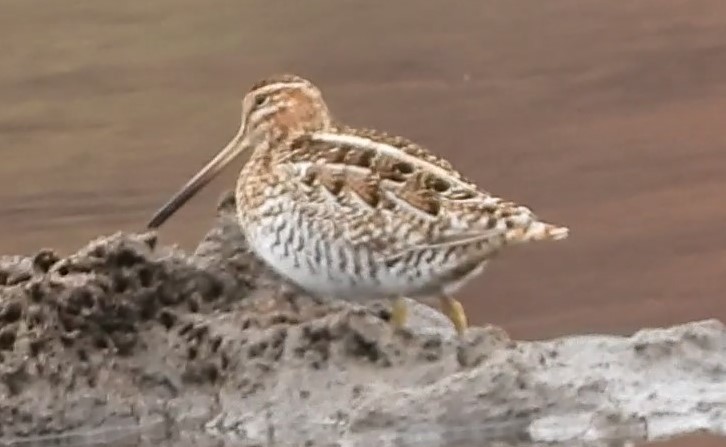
x=455 y=311
x=399 y=313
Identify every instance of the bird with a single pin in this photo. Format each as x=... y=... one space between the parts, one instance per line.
x=355 y=213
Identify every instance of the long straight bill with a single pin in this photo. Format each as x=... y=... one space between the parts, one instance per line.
x=200 y=179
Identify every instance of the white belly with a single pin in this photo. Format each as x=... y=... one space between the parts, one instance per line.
x=335 y=276
x=312 y=263
x=327 y=267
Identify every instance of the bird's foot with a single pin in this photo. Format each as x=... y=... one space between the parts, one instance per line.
x=453 y=309
x=399 y=313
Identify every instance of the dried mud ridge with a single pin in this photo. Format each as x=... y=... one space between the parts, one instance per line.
x=128 y=340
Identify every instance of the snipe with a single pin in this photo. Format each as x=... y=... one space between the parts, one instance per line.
x=357 y=214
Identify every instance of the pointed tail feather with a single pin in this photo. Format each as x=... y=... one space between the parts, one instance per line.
x=536 y=231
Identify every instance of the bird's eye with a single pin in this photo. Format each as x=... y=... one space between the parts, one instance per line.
x=261 y=100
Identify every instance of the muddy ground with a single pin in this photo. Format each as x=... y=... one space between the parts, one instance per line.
x=604 y=116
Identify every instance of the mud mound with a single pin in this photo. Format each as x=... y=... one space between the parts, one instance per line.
x=119 y=323
x=124 y=338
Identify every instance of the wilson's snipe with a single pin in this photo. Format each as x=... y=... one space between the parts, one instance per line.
x=357 y=214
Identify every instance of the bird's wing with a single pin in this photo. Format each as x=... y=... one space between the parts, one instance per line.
x=393 y=194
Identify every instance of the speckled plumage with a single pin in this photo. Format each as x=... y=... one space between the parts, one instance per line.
x=356 y=213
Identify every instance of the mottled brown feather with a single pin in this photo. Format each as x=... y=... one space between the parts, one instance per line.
x=277 y=79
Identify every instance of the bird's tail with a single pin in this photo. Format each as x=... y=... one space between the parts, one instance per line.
x=517 y=223
x=536 y=231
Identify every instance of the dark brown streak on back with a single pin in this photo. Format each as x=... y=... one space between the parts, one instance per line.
x=462 y=194
x=436 y=184
x=338 y=181
x=304 y=148
x=331 y=180
x=407 y=146
x=423 y=190
x=362 y=158
x=392 y=169
x=366 y=188
x=419 y=197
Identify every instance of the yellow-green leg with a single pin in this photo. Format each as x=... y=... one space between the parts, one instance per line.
x=455 y=311
x=399 y=313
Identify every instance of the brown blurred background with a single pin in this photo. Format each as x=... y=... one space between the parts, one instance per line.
x=604 y=116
